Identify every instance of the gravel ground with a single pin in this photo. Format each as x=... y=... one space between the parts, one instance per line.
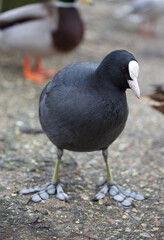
x=136 y=157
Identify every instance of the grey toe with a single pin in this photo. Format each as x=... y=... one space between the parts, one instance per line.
x=113 y=190
x=126 y=192
x=32 y=189
x=35 y=198
x=61 y=194
x=51 y=189
x=134 y=195
x=26 y=191
x=44 y=195
x=137 y=196
x=101 y=194
x=119 y=197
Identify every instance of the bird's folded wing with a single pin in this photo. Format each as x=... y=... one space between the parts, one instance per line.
x=25 y=13
x=142 y=6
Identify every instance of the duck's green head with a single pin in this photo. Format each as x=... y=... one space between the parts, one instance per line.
x=67 y=1
x=72 y=1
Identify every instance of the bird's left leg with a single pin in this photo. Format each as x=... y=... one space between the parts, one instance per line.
x=46 y=72
x=119 y=194
x=29 y=74
x=152 y=27
x=52 y=188
x=142 y=29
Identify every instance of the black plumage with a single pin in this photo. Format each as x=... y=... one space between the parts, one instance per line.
x=84 y=108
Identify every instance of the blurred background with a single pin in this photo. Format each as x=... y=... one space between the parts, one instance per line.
x=26 y=156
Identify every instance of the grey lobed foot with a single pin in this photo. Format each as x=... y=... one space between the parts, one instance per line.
x=119 y=194
x=44 y=192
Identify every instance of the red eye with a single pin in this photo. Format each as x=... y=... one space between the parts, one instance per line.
x=123 y=69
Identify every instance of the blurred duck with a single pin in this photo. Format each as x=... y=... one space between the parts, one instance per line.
x=156 y=99
x=39 y=30
x=144 y=12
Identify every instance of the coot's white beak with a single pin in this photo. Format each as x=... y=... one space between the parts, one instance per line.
x=133 y=72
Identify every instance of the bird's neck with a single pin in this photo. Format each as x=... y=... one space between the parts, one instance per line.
x=104 y=81
x=70 y=29
x=66 y=3
x=106 y=75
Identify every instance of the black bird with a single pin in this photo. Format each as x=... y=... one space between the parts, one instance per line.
x=84 y=108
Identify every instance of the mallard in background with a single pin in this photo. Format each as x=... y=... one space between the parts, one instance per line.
x=144 y=12
x=39 y=30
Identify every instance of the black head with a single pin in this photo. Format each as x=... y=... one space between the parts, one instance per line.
x=121 y=68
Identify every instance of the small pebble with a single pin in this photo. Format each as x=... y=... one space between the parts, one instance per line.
x=102 y=201
x=127 y=230
x=13 y=194
x=125 y=216
x=134 y=210
x=137 y=218
x=143 y=225
x=155 y=228
x=146 y=235
x=109 y=207
x=85 y=197
x=59 y=221
x=97 y=214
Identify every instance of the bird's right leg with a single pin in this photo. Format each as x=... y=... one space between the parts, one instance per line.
x=43 y=71
x=52 y=188
x=29 y=75
x=119 y=194
x=152 y=27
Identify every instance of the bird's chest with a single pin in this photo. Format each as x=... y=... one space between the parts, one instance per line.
x=102 y=119
x=70 y=30
x=110 y=123
x=111 y=113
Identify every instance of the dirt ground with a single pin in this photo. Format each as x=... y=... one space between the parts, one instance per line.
x=136 y=157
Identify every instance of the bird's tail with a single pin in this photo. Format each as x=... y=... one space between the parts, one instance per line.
x=1 y=37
